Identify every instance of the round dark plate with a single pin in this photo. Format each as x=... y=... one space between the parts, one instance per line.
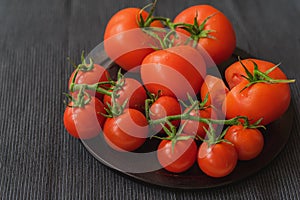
x=276 y=136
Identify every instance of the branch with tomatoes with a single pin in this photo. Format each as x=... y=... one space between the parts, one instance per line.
x=198 y=117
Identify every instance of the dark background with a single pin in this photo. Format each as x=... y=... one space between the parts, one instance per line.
x=39 y=160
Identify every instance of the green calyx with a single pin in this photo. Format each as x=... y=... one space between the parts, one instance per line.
x=261 y=77
x=80 y=101
x=197 y=30
x=173 y=134
x=115 y=109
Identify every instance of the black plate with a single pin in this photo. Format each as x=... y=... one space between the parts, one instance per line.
x=276 y=136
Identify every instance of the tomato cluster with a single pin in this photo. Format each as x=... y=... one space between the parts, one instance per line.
x=199 y=118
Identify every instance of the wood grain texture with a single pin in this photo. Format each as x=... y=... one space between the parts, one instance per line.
x=39 y=160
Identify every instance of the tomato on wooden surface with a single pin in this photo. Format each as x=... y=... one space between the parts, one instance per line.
x=217 y=160
x=85 y=122
x=131 y=91
x=248 y=142
x=176 y=72
x=164 y=106
x=124 y=40
x=260 y=100
x=126 y=132
x=217 y=36
x=95 y=75
x=177 y=158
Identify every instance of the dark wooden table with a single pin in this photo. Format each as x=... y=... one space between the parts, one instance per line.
x=39 y=160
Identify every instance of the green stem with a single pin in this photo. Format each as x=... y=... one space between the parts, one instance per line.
x=93 y=87
x=187 y=116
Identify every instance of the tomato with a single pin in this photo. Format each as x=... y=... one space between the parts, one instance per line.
x=124 y=42
x=222 y=41
x=175 y=72
x=133 y=91
x=248 y=142
x=97 y=74
x=216 y=90
x=126 y=132
x=197 y=128
x=261 y=100
x=217 y=160
x=85 y=122
x=180 y=158
x=162 y=107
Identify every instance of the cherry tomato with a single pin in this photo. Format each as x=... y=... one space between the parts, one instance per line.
x=133 y=91
x=222 y=41
x=248 y=142
x=97 y=74
x=195 y=127
x=162 y=107
x=178 y=158
x=216 y=90
x=175 y=72
x=85 y=122
x=217 y=160
x=126 y=132
x=260 y=100
x=124 y=42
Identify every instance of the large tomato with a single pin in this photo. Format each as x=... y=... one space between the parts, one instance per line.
x=177 y=158
x=124 y=40
x=126 y=132
x=217 y=160
x=261 y=100
x=131 y=90
x=85 y=122
x=220 y=43
x=97 y=74
x=174 y=72
x=248 y=142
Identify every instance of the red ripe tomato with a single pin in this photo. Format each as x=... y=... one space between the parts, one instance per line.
x=162 y=107
x=126 y=132
x=175 y=72
x=260 y=100
x=195 y=127
x=216 y=90
x=217 y=160
x=124 y=42
x=180 y=158
x=85 y=122
x=97 y=74
x=133 y=91
x=248 y=142
x=223 y=43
